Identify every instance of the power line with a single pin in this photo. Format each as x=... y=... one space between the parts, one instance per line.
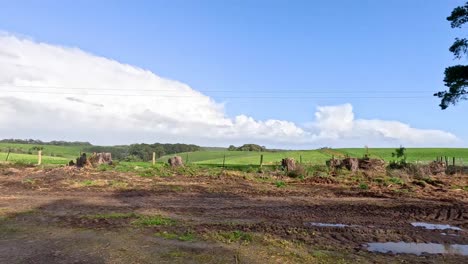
x=226 y=97
x=215 y=91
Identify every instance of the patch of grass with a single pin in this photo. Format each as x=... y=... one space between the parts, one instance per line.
x=160 y=171
x=432 y=181
x=112 y=216
x=154 y=220
x=235 y=236
x=29 y=181
x=380 y=181
x=177 y=188
x=363 y=186
x=88 y=183
x=6 y=230
x=166 y=235
x=147 y=173
x=187 y=237
x=396 y=180
x=175 y=254
x=104 y=167
x=118 y=184
x=280 y=184
x=403 y=191
x=322 y=256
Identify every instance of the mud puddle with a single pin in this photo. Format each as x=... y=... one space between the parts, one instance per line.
x=326 y=224
x=435 y=226
x=418 y=248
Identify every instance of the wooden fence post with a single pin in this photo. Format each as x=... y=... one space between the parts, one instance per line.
x=453 y=162
x=446 y=161
x=8 y=155
x=39 y=157
x=224 y=160
x=261 y=160
x=154 y=158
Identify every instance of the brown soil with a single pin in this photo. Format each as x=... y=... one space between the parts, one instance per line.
x=51 y=216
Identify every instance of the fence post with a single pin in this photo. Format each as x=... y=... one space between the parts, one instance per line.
x=186 y=158
x=453 y=161
x=300 y=159
x=39 y=157
x=9 y=150
x=446 y=161
x=224 y=160
x=261 y=160
x=154 y=158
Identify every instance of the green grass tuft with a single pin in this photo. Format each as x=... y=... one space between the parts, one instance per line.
x=236 y=236
x=363 y=186
x=280 y=184
x=155 y=220
x=112 y=216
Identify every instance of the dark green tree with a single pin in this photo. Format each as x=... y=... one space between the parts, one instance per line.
x=232 y=148
x=456 y=77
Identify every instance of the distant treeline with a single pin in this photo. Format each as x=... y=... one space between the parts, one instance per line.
x=39 y=142
x=133 y=152
x=247 y=147
x=143 y=152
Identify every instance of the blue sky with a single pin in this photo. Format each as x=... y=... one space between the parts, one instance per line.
x=270 y=48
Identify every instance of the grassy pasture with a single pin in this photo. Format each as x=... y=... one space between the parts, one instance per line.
x=413 y=154
x=32 y=159
x=69 y=152
x=316 y=156
x=214 y=157
x=249 y=158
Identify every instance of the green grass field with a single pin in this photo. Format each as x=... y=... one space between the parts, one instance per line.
x=32 y=159
x=214 y=156
x=315 y=156
x=69 y=152
x=248 y=158
x=413 y=154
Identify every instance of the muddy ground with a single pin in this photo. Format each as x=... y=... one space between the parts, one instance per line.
x=65 y=215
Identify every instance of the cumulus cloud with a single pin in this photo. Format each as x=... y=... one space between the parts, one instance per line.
x=53 y=92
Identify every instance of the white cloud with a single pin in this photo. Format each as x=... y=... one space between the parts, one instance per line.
x=171 y=112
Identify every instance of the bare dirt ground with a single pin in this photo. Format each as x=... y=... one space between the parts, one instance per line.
x=64 y=215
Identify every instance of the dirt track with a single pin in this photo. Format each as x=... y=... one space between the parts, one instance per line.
x=43 y=219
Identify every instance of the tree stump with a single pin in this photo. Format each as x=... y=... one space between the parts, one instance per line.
x=437 y=167
x=175 y=161
x=334 y=163
x=289 y=164
x=351 y=164
x=81 y=161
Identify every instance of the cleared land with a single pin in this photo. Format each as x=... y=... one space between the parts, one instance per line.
x=130 y=214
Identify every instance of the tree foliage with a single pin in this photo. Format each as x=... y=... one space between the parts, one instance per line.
x=39 y=142
x=400 y=155
x=247 y=147
x=456 y=77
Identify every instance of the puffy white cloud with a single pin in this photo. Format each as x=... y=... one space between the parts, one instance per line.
x=338 y=123
x=42 y=96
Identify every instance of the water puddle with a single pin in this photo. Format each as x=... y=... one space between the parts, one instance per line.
x=417 y=248
x=326 y=224
x=435 y=226
x=445 y=234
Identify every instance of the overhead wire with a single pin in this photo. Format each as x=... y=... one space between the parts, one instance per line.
x=62 y=90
